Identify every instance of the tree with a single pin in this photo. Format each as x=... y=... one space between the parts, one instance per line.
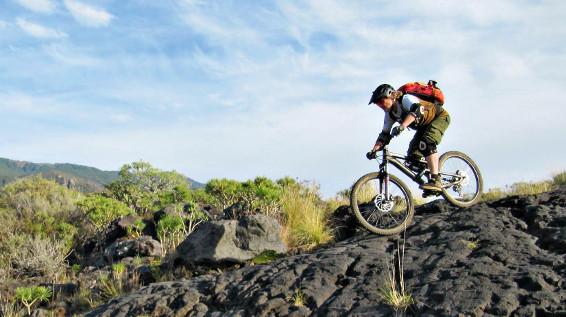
x=141 y=185
x=30 y=295
x=226 y=191
x=102 y=210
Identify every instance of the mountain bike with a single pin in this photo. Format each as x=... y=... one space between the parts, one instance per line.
x=383 y=204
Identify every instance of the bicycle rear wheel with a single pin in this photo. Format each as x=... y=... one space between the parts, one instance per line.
x=462 y=182
x=379 y=210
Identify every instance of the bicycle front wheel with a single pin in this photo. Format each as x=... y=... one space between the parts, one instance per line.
x=383 y=205
x=461 y=179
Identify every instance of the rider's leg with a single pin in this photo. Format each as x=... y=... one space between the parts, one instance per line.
x=431 y=138
x=432 y=161
x=414 y=155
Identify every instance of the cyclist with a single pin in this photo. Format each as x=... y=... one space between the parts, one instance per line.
x=429 y=120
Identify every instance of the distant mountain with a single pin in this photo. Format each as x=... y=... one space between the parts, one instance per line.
x=79 y=177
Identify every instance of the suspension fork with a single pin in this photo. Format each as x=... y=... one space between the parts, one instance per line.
x=384 y=179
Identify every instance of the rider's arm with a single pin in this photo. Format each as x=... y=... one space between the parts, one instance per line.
x=412 y=105
x=409 y=120
x=385 y=135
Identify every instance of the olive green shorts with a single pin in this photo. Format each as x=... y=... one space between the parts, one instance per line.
x=429 y=135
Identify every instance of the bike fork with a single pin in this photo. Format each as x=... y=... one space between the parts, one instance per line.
x=384 y=179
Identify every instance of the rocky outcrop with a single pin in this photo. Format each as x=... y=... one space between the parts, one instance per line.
x=142 y=246
x=506 y=258
x=231 y=241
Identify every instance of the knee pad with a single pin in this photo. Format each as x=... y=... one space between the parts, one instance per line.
x=427 y=147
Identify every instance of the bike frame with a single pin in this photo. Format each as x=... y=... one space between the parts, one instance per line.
x=397 y=161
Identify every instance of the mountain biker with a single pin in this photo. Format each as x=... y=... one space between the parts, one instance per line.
x=429 y=120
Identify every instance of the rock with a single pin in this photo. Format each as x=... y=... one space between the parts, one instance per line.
x=231 y=241
x=142 y=246
x=488 y=260
x=344 y=223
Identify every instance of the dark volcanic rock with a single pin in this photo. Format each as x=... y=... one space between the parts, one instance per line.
x=142 y=246
x=236 y=241
x=500 y=259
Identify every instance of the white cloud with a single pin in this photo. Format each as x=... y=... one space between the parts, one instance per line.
x=88 y=15
x=39 y=31
x=41 y=6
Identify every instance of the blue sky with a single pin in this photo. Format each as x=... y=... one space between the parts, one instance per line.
x=240 y=89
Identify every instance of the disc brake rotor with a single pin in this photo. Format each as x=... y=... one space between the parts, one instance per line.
x=382 y=204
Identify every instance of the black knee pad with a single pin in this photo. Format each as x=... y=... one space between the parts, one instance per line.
x=427 y=147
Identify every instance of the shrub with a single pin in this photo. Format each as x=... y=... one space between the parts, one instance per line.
x=34 y=256
x=140 y=186
x=226 y=192
x=304 y=217
x=101 y=210
x=136 y=229
x=170 y=230
x=193 y=217
x=37 y=206
x=34 y=194
x=31 y=295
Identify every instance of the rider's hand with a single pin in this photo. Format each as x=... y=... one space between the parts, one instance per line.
x=371 y=155
x=397 y=130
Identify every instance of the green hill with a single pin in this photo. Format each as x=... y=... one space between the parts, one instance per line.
x=79 y=177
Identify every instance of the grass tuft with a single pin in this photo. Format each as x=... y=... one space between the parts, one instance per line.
x=394 y=292
x=305 y=218
x=299 y=298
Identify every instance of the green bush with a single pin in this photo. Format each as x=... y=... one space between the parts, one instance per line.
x=102 y=210
x=140 y=186
x=260 y=195
x=225 y=191
x=31 y=295
x=37 y=206
x=170 y=230
x=136 y=229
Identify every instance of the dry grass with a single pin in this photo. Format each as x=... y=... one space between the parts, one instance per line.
x=305 y=218
x=394 y=293
x=559 y=179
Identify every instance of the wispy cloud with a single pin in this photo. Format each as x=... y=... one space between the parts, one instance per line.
x=88 y=15
x=39 y=31
x=41 y=6
x=67 y=55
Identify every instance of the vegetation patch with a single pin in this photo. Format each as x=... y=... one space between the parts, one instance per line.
x=267 y=256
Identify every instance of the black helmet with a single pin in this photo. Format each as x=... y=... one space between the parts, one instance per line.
x=383 y=90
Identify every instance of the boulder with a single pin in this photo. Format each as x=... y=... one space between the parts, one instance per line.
x=231 y=241
x=142 y=246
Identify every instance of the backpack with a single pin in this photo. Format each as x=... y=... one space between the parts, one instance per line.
x=428 y=92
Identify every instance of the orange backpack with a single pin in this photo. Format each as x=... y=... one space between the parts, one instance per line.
x=428 y=92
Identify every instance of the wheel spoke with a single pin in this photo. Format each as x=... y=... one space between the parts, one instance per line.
x=378 y=212
x=460 y=179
